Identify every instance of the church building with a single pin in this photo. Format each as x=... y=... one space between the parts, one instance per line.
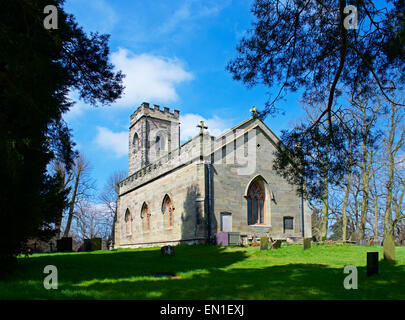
x=186 y=194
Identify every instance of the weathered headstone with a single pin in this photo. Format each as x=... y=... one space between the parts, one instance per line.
x=64 y=244
x=96 y=243
x=264 y=243
x=389 y=248
x=167 y=251
x=307 y=243
x=221 y=239
x=276 y=244
x=234 y=238
x=372 y=263
x=87 y=246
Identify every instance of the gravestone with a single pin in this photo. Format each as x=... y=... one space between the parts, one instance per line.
x=221 y=239
x=372 y=263
x=64 y=244
x=167 y=251
x=234 y=238
x=264 y=243
x=276 y=244
x=87 y=245
x=96 y=243
x=307 y=243
x=389 y=248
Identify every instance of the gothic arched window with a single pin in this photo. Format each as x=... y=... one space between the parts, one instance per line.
x=256 y=203
x=127 y=220
x=160 y=143
x=135 y=142
x=168 y=209
x=145 y=215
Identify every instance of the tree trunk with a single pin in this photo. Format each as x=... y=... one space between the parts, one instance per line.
x=346 y=198
x=324 y=230
x=344 y=209
x=72 y=204
x=365 y=187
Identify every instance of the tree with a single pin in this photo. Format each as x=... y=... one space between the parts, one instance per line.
x=109 y=196
x=394 y=142
x=312 y=162
x=79 y=184
x=308 y=45
x=365 y=112
x=38 y=67
x=91 y=220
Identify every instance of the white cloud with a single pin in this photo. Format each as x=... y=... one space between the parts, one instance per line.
x=115 y=142
x=189 y=122
x=148 y=77
x=190 y=11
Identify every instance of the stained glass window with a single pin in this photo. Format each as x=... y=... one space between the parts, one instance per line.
x=256 y=204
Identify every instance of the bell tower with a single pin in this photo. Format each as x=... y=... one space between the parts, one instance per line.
x=153 y=133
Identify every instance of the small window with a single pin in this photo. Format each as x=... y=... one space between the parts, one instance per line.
x=160 y=143
x=226 y=221
x=288 y=224
x=127 y=220
x=167 y=208
x=145 y=215
x=157 y=143
x=135 y=142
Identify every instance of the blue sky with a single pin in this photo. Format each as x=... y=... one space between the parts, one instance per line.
x=174 y=54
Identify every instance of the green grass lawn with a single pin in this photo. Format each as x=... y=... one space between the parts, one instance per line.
x=209 y=272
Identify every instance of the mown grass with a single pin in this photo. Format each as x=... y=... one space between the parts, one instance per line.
x=209 y=272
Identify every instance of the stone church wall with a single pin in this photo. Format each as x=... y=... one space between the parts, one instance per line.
x=230 y=187
x=185 y=187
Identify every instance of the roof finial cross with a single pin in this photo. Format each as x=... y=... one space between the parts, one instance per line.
x=254 y=112
x=202 y=127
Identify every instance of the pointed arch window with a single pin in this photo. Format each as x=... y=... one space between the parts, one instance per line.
x=160 y=143
x=127 y=219
x=135 y=142
x=145 y=215
x=168 y=209
x=256 y=199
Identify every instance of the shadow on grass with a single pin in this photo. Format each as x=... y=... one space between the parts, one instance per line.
x=291 y=281
x=203 y=272
x=74 y=268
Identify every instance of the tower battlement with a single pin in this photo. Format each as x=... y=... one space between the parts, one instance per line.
x=156 y=112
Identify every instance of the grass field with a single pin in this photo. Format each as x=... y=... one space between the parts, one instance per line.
x=209 y=272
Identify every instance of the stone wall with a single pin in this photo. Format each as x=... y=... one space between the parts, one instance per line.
x=237 y=158
x=185 y=187
x=231 y=180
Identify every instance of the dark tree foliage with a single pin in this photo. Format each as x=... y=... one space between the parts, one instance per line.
x=306 y=160
x=304 y=44
x=38 y=67
x=337 y=231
